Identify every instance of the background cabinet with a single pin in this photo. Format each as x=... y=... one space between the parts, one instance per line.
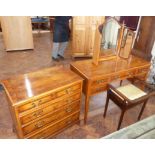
x=83 y=34
x=145 y=38
x=17 y=32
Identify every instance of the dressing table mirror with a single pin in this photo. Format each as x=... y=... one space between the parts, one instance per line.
x=108 y=38
x=126 y=43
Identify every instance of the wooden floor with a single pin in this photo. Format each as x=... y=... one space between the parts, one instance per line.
x=19 y=62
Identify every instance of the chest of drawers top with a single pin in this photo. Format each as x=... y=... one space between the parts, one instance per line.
x=90 y=71
x=23 y=88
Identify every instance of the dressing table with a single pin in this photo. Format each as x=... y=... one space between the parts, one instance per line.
x=97 y=77
x=104 y=68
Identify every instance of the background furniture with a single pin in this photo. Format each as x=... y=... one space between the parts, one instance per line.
x=128 y=96
x=51 y=19
x=144 y=129
x=130 y=21
x=145 y=38
x=17 y=32
x=83 y=33
x=40 y=21
x=43 y=103
x=97 y=77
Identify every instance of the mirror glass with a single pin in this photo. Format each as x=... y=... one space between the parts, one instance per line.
x=126 y=44
x=110 y=35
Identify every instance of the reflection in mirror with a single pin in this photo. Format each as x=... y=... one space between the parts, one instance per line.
x=109 y=39
x=126 y=44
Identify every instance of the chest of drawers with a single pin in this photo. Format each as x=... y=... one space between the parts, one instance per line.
x=45 y=102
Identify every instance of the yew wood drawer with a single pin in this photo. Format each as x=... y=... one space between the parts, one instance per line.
x=54 y=128
x=62 y=93
x=98 y=89
x=143 y=70
x=52 y=118
x=47 y=109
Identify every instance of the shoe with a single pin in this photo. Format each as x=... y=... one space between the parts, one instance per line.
x=61 y=57
x=55 y=59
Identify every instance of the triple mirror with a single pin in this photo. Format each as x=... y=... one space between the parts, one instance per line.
x=112 y=39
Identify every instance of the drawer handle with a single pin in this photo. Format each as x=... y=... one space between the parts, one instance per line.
x=38 y=113
x=39 y=102
x=34 y=105
x=130 y=74
x=69 y=122
x=68 y=91
x=100 y=81
x=69 y=109
x=69 y=101
x=53 y=95
x=39 y=124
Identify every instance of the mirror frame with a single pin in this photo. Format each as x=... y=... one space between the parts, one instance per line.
x=133 y=38
x=97 y=44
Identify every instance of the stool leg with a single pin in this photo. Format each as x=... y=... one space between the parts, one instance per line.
x=106 y=105
x=142 y=109
x=120 y=120
x=121 y=82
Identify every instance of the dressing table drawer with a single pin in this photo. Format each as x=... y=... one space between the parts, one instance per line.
x=100 y=81
x=99 y=89
x=143 y=70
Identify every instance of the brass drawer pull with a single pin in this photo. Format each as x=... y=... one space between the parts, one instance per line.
x=69 y=109
x=117 y=77
x=53 y=95
x=69 y=122
x=38 y=113
x=39 y=124
x=34 y=105
x=100 y=81
x=39 y=102
x=69 y=101
x=130 y=74
x=68 y=91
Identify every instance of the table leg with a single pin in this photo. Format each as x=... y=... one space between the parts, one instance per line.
x=86 y=107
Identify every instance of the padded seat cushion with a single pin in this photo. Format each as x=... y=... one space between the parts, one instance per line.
x=131 y=92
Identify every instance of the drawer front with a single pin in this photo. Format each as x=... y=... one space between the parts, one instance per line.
x=117 y=76
x=55 y=128
x=99 y=89
x=51 y=108
x=143 y=70
x=58 y=115
x=131 y=73
x=142 y=76
x=100 y=81
x=44 y=100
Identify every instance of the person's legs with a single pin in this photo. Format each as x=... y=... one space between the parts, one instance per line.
x=62 y=48
x=55 y=50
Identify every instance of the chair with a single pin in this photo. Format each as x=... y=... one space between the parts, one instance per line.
x=128 y=96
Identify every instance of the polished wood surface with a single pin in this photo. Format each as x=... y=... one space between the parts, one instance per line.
x=97 y=77
x=40 y=100
x=17 y=32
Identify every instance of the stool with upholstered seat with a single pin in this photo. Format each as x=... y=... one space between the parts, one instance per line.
x=126 y=97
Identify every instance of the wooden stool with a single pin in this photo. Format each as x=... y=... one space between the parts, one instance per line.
x=126 y=97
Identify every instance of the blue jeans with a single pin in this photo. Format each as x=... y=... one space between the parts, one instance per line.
x=59 y=48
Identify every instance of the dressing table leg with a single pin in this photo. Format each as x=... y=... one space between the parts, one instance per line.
x=86 y=108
